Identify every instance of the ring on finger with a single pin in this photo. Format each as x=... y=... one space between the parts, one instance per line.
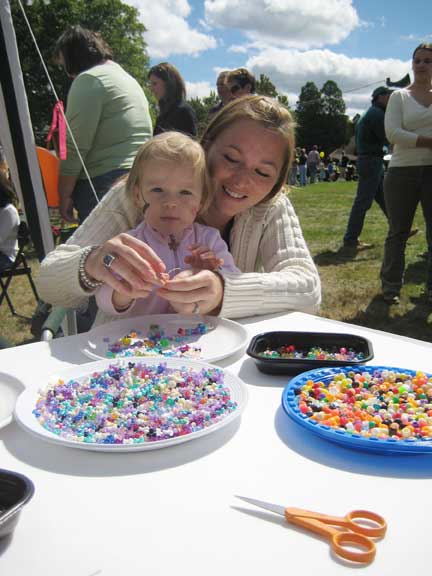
x=196 y=308
x=108 y=260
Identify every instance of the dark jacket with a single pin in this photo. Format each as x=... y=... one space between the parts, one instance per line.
x=180 y=118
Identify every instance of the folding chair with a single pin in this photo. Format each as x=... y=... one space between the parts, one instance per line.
x=18 y=268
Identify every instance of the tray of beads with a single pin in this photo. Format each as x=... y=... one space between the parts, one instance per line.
x=126 y=405
x=372 y=408
x=286 y=352
x=206 y=338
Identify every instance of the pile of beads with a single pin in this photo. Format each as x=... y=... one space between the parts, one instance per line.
x=157 y=343
x=133 y=403
x=383 y=404
x=314 y=353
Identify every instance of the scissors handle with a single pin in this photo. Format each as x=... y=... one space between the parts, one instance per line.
x=342 y=543
x=355 y=517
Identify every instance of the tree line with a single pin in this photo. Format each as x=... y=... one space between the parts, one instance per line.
x=319 y=113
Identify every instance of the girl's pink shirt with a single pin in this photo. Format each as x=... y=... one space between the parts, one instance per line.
x=154 y=304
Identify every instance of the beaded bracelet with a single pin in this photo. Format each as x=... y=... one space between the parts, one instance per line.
x=85 y=280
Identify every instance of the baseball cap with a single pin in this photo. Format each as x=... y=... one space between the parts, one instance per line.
x=380 y=91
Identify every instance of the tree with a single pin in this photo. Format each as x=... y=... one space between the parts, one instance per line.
x=321 y=117
x=117 y=23
x=266 y=87
x=202 y=108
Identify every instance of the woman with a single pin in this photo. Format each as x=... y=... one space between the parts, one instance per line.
x=108 y=114
x=249 y=147
x=169 y=89
x=9 y=223
x=408 y=125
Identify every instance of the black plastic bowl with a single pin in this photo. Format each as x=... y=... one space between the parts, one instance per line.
x=15 y=491
x=305 y=341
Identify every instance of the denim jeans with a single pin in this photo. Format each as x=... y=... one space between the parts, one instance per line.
x=370 y=187
x=404 y=188
x=312 y=172
x=303 y=174
x=83 y=197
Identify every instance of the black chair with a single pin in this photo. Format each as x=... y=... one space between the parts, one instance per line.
x=18 y=268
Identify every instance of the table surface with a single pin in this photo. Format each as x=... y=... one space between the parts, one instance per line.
x=174 y=511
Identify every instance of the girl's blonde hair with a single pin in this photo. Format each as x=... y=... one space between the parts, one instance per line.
x=172 y=147
x=265 y=111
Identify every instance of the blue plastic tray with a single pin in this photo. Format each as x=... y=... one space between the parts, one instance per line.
x=325 y=375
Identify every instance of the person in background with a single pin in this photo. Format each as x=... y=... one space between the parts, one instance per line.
x=303 y=167
x=249 y=147
x=240 y=83
x=169 y=182
x=169 y=89
x=408 y=182
x=223 y=93
x=370 y=139
x=108 y=114
x=9 y=223
x=313 y=160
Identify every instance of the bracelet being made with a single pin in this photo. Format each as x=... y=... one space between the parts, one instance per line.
x=86 y=281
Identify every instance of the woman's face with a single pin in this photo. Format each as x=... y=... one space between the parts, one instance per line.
x=244 y=162
x=157 y=86
x=422 y=64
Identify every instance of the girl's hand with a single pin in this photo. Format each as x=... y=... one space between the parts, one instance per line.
x=202 y=258
x=135 y=270
x=190 y=288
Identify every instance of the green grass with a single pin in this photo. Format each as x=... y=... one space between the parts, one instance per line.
x=350 y=285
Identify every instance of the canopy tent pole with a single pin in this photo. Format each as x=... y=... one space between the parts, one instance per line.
x=17 y=138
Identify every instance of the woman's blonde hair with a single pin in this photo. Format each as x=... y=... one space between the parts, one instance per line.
x=171 y=147
x=265 y=111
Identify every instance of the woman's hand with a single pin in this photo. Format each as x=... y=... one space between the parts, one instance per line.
x=190 y=288
x=133 y=272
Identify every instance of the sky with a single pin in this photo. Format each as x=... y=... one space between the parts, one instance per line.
x=356 y=43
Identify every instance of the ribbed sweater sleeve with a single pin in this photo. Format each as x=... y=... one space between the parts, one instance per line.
x=58 y=281
x=278 y=271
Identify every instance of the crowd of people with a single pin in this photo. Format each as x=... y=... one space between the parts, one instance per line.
x=171 y=224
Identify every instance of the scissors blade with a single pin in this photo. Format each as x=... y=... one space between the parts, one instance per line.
x=266 y=505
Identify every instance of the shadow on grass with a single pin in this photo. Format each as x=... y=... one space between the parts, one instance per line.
x=414 y=323
x=341 y=256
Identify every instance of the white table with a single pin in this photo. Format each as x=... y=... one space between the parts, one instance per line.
x=173 y=511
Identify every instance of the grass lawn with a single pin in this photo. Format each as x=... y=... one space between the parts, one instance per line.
x=350 y=284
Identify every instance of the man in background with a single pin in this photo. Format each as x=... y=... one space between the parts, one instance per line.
x=222 y=91
x=370 y=140
x=240 y=83
x=313 y=160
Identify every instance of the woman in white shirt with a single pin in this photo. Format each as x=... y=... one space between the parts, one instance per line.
x=9 y=222
x=408 y=125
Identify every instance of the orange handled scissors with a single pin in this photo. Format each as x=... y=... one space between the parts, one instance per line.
x=358 y=527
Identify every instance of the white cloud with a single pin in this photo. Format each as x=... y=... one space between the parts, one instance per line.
x=168 y=31
x=198 y=89
x=289 y=70
x=289 y=23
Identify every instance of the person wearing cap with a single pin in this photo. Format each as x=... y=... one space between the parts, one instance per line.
x=240 y=83
x=370 y=139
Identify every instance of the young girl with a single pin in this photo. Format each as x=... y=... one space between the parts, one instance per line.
x=9 y=222
x=169 y=181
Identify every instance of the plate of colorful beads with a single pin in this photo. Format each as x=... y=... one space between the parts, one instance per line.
x=131 y=405
x=372 y=408
x=205 y=338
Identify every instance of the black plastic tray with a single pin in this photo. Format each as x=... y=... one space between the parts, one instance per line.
x=305 y=340
x=15 y=491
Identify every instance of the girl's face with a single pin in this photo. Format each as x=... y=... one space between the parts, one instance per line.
x=157 y=86
x=422 y=64
x=244 y=162
x=172 y=192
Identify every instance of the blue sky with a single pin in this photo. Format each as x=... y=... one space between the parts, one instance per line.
x=357 y=43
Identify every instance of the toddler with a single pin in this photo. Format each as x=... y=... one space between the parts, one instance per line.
x=169 y=180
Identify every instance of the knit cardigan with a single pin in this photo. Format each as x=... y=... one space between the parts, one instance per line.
x=266 y=241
